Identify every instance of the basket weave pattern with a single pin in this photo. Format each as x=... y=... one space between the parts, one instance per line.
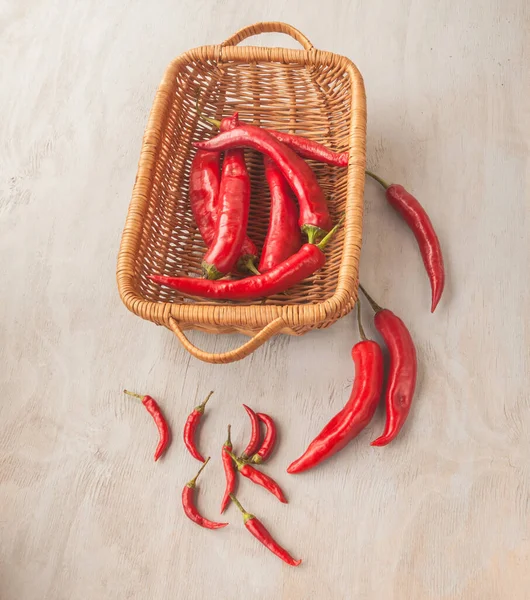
x=316 y=94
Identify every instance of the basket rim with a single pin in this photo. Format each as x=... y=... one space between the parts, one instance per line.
x=250 y=316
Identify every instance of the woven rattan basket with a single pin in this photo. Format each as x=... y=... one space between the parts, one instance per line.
x=313 y=93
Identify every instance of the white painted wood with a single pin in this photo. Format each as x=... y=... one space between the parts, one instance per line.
x=443 y=512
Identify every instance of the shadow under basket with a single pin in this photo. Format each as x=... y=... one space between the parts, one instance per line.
x=309 y=92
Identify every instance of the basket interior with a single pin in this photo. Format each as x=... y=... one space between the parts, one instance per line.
x=311 y=100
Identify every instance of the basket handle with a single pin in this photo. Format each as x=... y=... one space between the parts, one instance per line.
x=232 y=355
x=268 y=27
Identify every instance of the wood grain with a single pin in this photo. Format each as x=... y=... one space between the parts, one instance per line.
x=443 y=513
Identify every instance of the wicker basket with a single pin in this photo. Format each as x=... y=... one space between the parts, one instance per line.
x=316 y=94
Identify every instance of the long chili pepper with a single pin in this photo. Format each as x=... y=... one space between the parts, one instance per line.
x=230 y=473
x=205 y=179
x=259 y=531
x=314 y=216
x=161 y=424
x=232 y=217
x=303 y=146
x=258 y=477
x=283 y=236
x=268 y=441
x=205 y=183
x=419 y=223
x=402 y=372
x=297 y=267
x=253 y=443
x=188 y=503
x=190 y=427
x=357 y=412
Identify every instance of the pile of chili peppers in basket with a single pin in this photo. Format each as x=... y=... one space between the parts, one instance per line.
x=220 y=200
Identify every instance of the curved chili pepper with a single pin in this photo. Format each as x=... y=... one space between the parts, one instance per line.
x=188 y=503
x=260 y=532
x=161 y=424
x=258 y=477
x=205 y=179
x=253 y=443
x=230 y=473
x=232 y=217
x=191 y=426
x=419 y=223
x=297 y=267
x=314 y=216
x=357 y=412
x=303 y=146
x=268 y=441
x=402 y=371
x=283 y=236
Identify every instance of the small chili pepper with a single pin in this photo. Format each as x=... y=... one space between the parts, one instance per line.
x=268 y=441
x=303 y=146
x=232 y=217
x=419 y=223
x=258 y=477
x=230 y=473
x=253 y=443
x=314 y=215
x=188 y=503
x=283 y=236
x=259 y=531
x=163 y=428
x=402 y=372
x=297 y=267
x=191 y=426
x=357 y=412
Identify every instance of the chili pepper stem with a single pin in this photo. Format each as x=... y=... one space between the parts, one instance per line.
x=246 y=515
x=314 y=233
x=228 y=439
x=240 y=463
x=328 y=237
x=213 y=122
x=372 y=302
x=201 y=406
x=378 y=179
x=359 y=321
x=250 y=266
x=133 y=394
x=191 y=482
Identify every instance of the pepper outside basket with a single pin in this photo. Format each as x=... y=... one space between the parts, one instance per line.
x=309 y=92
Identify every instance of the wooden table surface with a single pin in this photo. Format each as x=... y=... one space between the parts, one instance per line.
x=441 y=513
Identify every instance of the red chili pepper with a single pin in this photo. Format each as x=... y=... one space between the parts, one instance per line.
x=297 y=267
x=259 y=531
x=268 y=441
x=253 y=443
x=191 y=426
x=163 y=428
x=230 y=473
x=232 y=217
x=402 y=371
x=258 y=477
x=205 y=183
x=357 y=412
x=188 y=503
x=303 y=146
x=314 y=216
x=418 y=221
x=205 y=179
x=283 y=236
